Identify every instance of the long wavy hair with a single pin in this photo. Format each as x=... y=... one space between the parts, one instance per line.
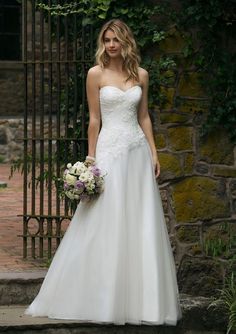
x=129 y=50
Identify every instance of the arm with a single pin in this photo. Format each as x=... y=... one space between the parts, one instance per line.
x=145 y=122
x=92 y=88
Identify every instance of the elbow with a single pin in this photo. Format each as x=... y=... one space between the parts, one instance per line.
x=94 y=125
x=142 y=121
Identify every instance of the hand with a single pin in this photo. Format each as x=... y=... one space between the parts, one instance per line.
x=89 y=161
x=156 y=166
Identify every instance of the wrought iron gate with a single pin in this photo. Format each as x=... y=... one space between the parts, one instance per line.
x=57 y=50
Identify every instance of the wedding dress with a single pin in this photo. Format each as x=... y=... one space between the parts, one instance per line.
x=115 y=263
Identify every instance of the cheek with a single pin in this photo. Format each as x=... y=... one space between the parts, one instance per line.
x=118 y=46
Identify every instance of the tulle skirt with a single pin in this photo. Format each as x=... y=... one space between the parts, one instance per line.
x=115 y=263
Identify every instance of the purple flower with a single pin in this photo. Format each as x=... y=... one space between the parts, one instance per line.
x=79 y=184
x=96 y=171
x=66 y=186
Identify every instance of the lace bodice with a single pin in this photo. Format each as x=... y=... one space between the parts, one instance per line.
x=120 y=128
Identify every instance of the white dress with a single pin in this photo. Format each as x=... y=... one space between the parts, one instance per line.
x=115 y=263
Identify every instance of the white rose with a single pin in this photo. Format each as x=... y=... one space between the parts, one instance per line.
x=70 y=179
x=69 y=165
x=90 y=186
x=86 y=176
x=69 y=194
x=83 y=177
x=81 y=168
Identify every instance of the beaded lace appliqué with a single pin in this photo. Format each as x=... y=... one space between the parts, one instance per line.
x=120 y=128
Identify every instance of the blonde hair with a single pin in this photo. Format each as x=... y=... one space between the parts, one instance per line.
x=129 y=50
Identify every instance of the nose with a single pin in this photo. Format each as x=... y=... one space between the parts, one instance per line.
x=111 y=43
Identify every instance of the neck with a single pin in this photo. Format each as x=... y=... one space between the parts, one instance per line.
x=116 y=65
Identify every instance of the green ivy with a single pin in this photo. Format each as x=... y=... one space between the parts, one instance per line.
x=210 y=37
x=140 y=18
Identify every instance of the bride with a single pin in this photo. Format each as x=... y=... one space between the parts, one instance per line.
x=115 y=264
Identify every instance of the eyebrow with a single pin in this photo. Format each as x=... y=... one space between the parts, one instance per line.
x=110 y=38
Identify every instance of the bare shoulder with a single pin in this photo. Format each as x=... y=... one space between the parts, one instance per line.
x=95 y=71
x=94 y=74
x=143 y=76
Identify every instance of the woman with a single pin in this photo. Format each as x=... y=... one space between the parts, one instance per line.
x=114 y=264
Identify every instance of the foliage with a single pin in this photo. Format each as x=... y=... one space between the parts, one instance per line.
x=141 y=20
x=210 y=34
x=220 y=241
x=90 y=11
x=227 y=300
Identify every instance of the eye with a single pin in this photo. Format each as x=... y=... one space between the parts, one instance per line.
x=106 y=40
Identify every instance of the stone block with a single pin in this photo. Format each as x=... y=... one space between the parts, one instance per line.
x=233 y=188
x=191 y=106
x=173 y=118
x=170 y=166
x=202 y=168
x=224 y=171
x=173 y=43
x=234 y=205
x=168 y=78
x=217 y=149
x=3 y=136
x=168 y=94
x=199 y=198
x=200 y=276
x=189 y=163
x=160 y=140
x=189 y=85
x=181 y=138
x=188 y=234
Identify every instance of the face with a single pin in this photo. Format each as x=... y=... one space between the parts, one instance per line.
x=112 y=44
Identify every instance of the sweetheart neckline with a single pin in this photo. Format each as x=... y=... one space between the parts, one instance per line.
x=123 y=91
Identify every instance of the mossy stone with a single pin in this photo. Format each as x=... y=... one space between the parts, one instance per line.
x=191 y=106
x=170 y=166
x=199 y=198
x=189 y=85
x=200 y=276
x=223 y=171
x=189 y=163
x=173 y=117
x=174 y=42
x=188 y=234
x=217 y=149
x=160 y=140
x=168 y=97
x=169 y=77
x=233 y=188
x=181 y=138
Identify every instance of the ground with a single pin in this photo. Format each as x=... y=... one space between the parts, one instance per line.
x=11 y=244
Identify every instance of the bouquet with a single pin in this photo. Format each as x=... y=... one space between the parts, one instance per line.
x=82 y=182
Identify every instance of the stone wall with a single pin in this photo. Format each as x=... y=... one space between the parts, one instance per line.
x=11 y=147
x=198 y=181
x=12 y=133
x=11 y=88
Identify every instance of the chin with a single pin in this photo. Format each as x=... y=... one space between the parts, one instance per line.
x=114 y=55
